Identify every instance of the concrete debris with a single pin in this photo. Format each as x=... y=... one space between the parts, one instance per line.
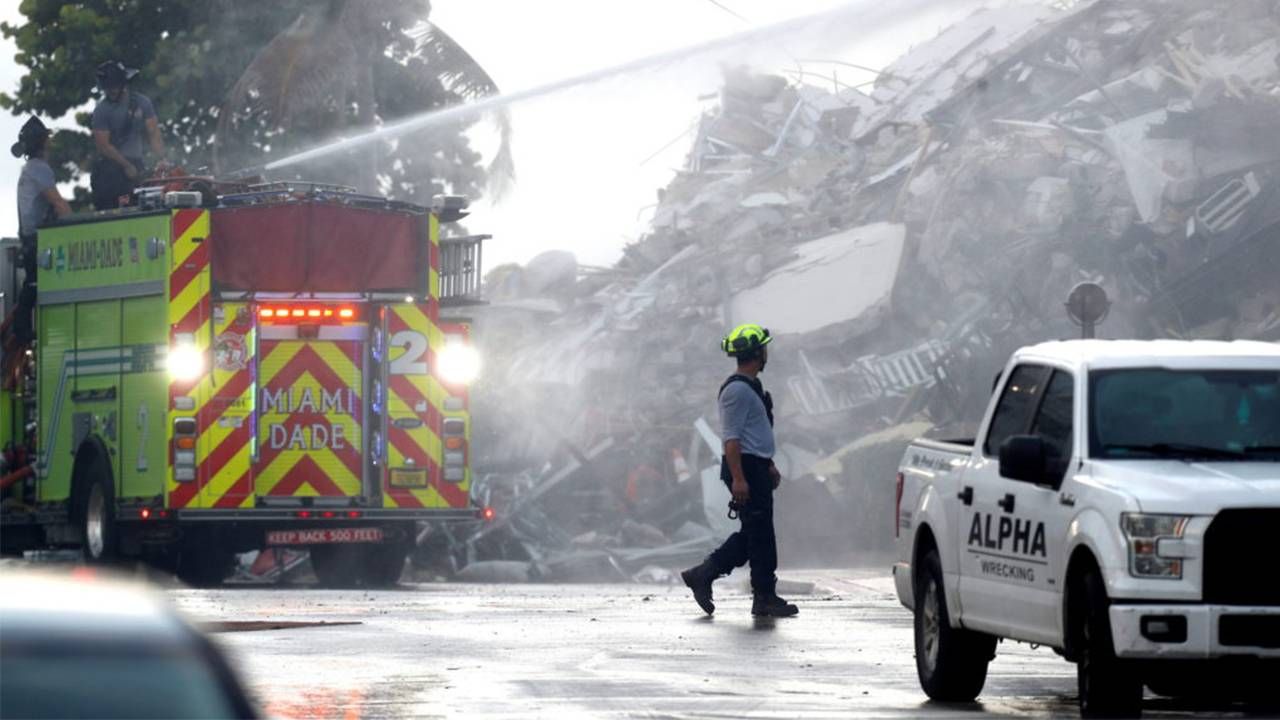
x=814 y=291
x=899 y=243
x=272 y=565
x=496 y=571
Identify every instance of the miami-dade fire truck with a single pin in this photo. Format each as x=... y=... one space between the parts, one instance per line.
x=219 y=372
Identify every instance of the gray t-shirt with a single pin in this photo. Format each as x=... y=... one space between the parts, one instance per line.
x=743 y=418
x=33 y=208
x=126 y=121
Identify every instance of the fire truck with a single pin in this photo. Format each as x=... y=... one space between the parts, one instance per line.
x=224 y=369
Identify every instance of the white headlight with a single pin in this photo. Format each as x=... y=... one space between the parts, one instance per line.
x=186 y=363
x=1146 y=533
x=459 y=364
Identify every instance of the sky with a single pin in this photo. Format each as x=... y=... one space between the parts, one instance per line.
x=589 y=160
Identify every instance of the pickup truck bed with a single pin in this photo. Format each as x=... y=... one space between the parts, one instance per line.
x=1111 y=508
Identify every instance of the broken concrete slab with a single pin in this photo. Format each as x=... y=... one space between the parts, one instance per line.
x=814 y=291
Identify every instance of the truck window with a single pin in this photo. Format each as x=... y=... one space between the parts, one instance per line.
x=1013 y=414
x=1053 y=422
x=1144 y=413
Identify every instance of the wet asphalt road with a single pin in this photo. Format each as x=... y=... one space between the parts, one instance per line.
x=606 y=651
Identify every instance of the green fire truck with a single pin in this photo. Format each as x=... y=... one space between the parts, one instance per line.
x=218 y=372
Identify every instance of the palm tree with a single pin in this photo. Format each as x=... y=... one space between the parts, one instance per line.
x=344 y=65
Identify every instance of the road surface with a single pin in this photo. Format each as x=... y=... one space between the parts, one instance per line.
x=604 y=651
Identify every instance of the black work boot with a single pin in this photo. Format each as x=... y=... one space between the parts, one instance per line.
x=772 y=606
x=699 y=580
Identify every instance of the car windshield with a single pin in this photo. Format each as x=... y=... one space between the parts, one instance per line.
x=1187 y=414
x=40 y=679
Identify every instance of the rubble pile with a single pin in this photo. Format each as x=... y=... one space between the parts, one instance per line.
x=900 y=244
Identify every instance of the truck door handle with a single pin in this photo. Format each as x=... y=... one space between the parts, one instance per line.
x=1007 y=503
x=966 y=496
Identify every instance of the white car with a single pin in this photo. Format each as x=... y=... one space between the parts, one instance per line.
x=1121 y=505
x=81 y=646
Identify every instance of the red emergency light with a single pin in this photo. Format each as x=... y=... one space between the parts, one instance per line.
x=306 y=314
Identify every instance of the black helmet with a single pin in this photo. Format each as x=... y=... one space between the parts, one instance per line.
x=114 y=74
x=32 y=134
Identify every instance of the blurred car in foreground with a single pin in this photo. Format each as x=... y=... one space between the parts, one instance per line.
x=81 y=646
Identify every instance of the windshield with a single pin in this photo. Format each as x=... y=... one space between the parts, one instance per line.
x=41 y=679
x=1196 y=414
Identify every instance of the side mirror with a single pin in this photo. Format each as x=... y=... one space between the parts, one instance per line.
x=1025 y=458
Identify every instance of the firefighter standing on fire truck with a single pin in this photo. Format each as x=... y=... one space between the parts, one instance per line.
x=119 y=122
x=38 y=202
x=746 y=418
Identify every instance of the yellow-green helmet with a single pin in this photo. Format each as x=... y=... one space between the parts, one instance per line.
x=745 y=339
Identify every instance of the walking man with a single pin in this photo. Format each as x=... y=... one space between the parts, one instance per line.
x=746 y=421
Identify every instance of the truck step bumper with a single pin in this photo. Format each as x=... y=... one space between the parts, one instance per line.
x=1195 y=631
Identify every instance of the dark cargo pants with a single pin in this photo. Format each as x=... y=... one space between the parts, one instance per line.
x=755 y=542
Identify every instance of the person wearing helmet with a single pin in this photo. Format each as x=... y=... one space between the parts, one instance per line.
x=746 y=420
x=120 y=121
x=38 y=203
x=38 y=198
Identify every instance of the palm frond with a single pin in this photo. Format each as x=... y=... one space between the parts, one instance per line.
x=460 y=74
x=295 y=74
x=455 y=67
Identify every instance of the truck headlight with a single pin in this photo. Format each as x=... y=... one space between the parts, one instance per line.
x=186 y=363
x=1144 y=532
x=459 y=364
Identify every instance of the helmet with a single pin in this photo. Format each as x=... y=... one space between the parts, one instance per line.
x=745 y=339
x=113 y=73
x=32 y=134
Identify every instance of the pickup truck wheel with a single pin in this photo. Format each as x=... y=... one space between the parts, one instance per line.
x=951 y=663
x=1109 y=687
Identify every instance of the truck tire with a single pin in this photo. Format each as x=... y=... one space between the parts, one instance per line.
x=203 y=566
x=337 y=566
x=951 y=663
x=1108 y=686
x=97 y=510
x=383 y=564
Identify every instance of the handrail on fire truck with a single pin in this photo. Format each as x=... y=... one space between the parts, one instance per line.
x=460 y=263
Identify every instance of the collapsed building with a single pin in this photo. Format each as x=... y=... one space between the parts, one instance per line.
x=901 y=243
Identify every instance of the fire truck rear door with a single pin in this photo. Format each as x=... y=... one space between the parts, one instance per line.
x=311 y=412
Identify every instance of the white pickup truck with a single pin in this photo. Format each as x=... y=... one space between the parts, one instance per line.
x=1122 y=506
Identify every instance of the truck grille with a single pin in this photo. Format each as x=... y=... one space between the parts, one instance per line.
x=1233 y=545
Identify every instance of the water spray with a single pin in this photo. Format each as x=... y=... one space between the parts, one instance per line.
x=869 y=13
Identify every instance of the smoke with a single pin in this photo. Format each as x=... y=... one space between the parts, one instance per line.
x=901 y=245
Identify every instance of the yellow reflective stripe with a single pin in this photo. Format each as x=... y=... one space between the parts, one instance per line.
x=273 y=363
x=337 y=361
x=183 y=245
x=191 y=295
x=433 y=230
x=335 y=470
x=220 y=484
